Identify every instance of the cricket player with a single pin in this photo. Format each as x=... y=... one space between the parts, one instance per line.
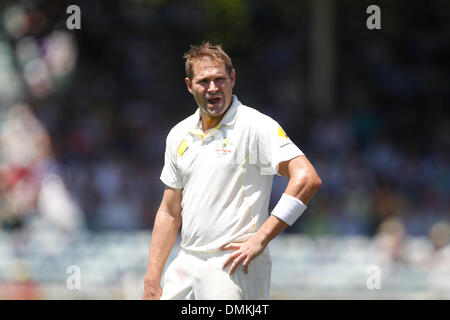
x=218 y=171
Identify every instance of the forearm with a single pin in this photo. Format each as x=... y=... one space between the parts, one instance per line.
x=270 y=229
x=163 y=239
x=302 y=185
x=303 y=178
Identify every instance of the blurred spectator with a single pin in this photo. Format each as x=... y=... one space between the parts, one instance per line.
x=391 y=240
x=439 y=277
x=32 y=188
x=21 y=286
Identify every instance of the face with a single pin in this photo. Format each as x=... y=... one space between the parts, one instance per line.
x=211 y=86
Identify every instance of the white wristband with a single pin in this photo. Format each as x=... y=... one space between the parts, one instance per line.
x=289 y=209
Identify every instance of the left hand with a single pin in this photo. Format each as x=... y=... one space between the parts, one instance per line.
x=245 y=252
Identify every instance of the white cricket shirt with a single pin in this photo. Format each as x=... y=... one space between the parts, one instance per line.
x=226 y=174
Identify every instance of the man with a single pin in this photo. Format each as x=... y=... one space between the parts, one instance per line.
x=218 y=172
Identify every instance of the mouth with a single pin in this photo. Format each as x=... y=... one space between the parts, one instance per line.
x=214 y=101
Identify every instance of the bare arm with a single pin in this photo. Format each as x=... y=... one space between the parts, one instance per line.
x=164 y=234
x=303 y=178
x=303 y=183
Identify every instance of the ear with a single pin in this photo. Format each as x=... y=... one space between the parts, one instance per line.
x=188 y=84
x=233 y=77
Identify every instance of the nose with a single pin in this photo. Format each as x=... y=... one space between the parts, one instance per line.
x=212 y=87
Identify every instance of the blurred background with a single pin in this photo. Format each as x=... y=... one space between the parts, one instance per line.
x=84 y=115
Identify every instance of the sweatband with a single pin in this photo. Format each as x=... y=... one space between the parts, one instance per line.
x=288 y=209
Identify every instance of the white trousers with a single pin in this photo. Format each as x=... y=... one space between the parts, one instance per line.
x=201 y=277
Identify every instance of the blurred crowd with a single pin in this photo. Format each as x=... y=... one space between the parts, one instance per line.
x=83 y=145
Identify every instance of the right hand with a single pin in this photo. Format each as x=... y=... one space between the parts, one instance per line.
x=152 y=290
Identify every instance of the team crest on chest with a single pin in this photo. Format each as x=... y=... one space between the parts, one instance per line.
x=223 y=147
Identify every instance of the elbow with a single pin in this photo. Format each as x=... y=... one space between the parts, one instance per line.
x=309 y=183
x=316 y=183
x=312 y=184
x=178 y=222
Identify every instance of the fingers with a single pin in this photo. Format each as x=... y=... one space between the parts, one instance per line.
x=231 y=258
x=242 y=254
x=235 y=259
x=236 y=263
x=246 y=263
x=231 y=246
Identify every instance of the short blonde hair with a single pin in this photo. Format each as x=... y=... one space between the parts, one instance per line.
x=206 y=49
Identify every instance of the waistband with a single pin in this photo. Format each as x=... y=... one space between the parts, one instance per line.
x=214 y=253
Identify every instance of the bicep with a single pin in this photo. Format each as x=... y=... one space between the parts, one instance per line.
x=297 y=166
x=303 y=179
x=171 y=202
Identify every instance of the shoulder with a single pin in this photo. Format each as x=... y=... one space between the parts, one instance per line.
x=255 y=119
x=179 y=130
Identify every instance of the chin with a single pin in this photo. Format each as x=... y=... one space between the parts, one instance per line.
x=216 y=111
x=220 y=112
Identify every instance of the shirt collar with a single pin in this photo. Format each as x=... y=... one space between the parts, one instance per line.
x=230 y=116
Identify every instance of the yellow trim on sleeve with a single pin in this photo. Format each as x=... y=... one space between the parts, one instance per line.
x=182 y=148
x=281 y=133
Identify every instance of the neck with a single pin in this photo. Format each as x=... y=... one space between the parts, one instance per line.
x=210 y=122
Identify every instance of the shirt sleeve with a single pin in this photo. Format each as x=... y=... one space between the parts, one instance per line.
x=170 y=174
x=273 y=146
